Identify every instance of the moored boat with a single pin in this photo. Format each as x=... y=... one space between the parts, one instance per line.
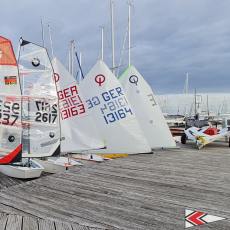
x=26 y=169
x=57 y=164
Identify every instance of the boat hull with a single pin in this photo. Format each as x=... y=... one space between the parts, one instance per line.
x=87 y=159
x=54 y=166
x=21 y=172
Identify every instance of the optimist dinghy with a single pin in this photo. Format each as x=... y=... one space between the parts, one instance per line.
x=78 y=130
x=146 y=109
x=112 y=113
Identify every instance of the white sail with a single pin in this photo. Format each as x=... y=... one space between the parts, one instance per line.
x=112 y=113
x=78 y=130
x=146 y=109
x=40 y=115
x=10 y=105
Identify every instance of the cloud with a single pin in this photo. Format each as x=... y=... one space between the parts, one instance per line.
x=169 y=37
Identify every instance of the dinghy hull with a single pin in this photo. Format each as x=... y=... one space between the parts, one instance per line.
x=22 y=172
x=57 y=165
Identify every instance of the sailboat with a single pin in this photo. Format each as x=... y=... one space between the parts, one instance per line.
x=112 y=113
x=11 y=102
x=79 y=132
x=145 y=107
x=38 y=80
x=111 y=110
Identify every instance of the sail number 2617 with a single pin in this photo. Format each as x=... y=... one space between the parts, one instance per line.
x=47 y=113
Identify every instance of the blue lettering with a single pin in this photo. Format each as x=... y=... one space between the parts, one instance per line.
x=102 y=109
x=120 y=100
x=111 y=106
x=112 y=116
x=106 y=97
x=112 y=93
x=128 y=111
x=96 y=101
x=90 y=103
x=118 y=89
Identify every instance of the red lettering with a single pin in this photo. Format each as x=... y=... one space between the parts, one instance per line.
x=66 y=93
x=60 y=95
x=74 y=112
x=60 y=106
x=79 y=98
x=75 y=102
x=65 y=103
x=73 y=89
x=65 y=114
x=82 y=108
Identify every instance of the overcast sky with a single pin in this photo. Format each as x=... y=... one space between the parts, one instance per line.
x=170 y=37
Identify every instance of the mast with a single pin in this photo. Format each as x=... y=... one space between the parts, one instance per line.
x=69 y=61
x=71 y=42
x=51 y=43
x=102 y=42
x=186 y=114
x=80 y=70
x=112 y=36
x=207 y=106
x=195 y=101
x=43 y=34
x=129 y=35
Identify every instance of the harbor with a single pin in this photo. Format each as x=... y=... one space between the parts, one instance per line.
x=145 y=191
x=115 y=115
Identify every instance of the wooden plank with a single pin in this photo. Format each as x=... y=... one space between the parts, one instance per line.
x=3 y=220
x=135 y=192
x=29 y=223
x=79 y=227
x=14 y=222
x=45 y=225
x=62 y=226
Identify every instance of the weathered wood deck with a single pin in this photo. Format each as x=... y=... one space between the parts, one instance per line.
x=136 y=192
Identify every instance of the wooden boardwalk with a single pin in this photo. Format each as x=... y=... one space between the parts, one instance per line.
x=135 y=192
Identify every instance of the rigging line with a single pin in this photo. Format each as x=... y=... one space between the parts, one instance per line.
x=142 y=48
x=65 y=57
x=86 y=66
x=79 y=63
x=107 y=10
x=98 y=57
x=118 y=26
x=108 y=43
x=122 y=51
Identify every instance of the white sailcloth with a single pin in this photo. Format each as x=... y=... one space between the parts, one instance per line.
x=10 y=105
x=112 y=113
x=40 y=115
x=146 y=109
x=78 y=130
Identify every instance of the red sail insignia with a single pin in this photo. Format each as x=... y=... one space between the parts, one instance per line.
x=11 y=80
